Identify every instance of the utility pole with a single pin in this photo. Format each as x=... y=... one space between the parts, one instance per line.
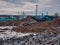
x=46 y=13
x=42 y=14
x=23 y=13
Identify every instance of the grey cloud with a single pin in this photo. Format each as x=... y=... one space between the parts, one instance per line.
x=20 y=1
x=16 y=2
x=32 y=1
x=51 y=6
x=54 y=3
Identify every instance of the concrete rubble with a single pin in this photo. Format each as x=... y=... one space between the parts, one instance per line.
x=44 y=38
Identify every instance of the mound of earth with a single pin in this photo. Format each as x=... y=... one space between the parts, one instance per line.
x=39 y=26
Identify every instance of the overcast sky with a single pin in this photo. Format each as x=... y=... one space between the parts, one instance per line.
x=13 y=6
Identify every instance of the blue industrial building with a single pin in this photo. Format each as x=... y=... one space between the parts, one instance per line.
x=15 y=17
x=43 y=17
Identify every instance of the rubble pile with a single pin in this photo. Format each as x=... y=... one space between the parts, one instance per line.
x=44 y=38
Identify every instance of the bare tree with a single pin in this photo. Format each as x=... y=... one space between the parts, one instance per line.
x=56 y=15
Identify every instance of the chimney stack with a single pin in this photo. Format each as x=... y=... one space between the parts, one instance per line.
x=36 y=10
x=36 y=7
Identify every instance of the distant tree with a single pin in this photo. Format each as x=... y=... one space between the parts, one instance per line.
x=56 y=15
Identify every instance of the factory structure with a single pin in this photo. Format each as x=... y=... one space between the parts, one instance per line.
x=42 y=17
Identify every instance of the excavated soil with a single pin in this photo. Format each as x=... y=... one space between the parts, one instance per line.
x=53 y=25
